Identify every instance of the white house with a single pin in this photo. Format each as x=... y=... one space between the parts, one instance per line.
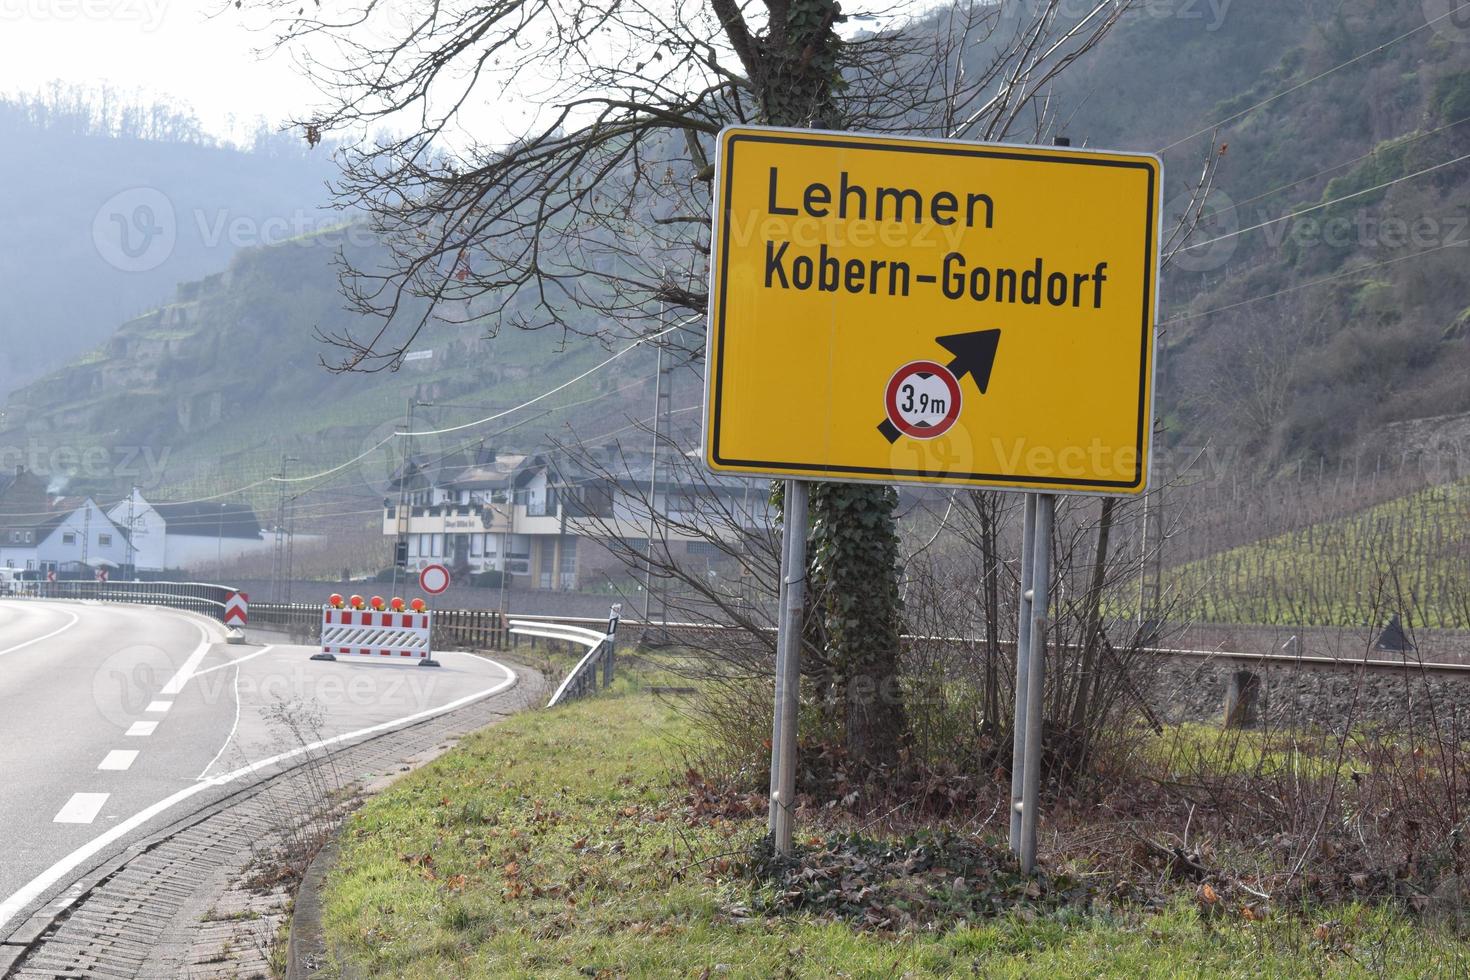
x=185 y=535
x=76 y=536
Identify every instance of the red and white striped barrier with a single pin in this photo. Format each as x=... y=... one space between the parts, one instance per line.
x=237 y=608
x=370 y=633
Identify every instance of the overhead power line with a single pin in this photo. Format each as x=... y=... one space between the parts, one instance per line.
x=547 y=394
x=1303 y=84
x=1314 y=282
x=401 y=434
x=1404 y=141
x=1324 y=204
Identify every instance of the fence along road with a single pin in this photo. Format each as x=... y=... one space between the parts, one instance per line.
x=489 y=629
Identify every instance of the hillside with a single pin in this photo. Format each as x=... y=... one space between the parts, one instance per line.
x=209 y=391
x=1310 y=337
x=1296 y=341
x=106 y=207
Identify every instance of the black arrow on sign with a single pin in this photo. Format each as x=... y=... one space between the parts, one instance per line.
x=974 y=354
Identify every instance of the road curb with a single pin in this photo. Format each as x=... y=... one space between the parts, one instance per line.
x=308 y=939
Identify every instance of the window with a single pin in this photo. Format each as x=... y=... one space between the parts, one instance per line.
x=104 y=539
x=477 y=545
x=68 y=538
x=491 y=545
x=541 y=503
x=436 y=542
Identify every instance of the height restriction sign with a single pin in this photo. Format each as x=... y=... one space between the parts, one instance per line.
x=932 y=311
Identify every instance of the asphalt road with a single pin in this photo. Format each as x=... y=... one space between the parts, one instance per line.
x=116 y=720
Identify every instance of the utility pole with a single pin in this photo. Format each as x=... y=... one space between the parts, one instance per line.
x=278 y=556
x=290 y=543
x=132 y=529
x=661 y=394
x=400 y=544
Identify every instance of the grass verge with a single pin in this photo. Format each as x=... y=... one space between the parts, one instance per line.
x=571 y=843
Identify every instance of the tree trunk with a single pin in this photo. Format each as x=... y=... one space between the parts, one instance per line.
x=854 y=552
x=854 y=558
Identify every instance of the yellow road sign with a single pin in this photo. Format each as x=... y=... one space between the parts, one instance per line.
x=932 y=311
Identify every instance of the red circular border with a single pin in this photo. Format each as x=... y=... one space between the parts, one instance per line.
x=430 y=568
x=890 y=399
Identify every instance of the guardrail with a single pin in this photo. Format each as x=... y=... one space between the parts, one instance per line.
x=601 y=651
x=492 y=629
x=198 y=597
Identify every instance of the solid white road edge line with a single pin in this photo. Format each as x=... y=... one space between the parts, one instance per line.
x=233 y=728
x=236 y=662
x=81 y=808
x=181 y=677
x=21 y=646
x=34 y=888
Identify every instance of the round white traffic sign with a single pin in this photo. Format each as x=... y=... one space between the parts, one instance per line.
x=923 y=399
x=434 y=579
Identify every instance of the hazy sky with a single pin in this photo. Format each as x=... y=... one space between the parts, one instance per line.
x=166 y=48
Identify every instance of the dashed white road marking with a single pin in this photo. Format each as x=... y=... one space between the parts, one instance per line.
x=181 y=677
x=141 y=729
x=159 y=707
x=33 y=889
x=81 y=808
x=119 y=760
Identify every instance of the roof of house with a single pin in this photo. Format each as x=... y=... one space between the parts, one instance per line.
x=207 y=519
x=23 y=499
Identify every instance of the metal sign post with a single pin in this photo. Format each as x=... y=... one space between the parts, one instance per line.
x=788 y=667
x=1023 y=655
x=1031 y=678
x=883 y=309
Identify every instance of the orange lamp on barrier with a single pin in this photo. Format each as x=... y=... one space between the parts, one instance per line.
x=376 y=602
x=395 y=604
x=417 y=605
x=335 y=601
x=356 y=602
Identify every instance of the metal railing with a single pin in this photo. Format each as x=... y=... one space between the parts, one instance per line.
x=601 y=646
x=198 y=597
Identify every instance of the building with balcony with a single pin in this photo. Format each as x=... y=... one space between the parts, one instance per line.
x=549 y=523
